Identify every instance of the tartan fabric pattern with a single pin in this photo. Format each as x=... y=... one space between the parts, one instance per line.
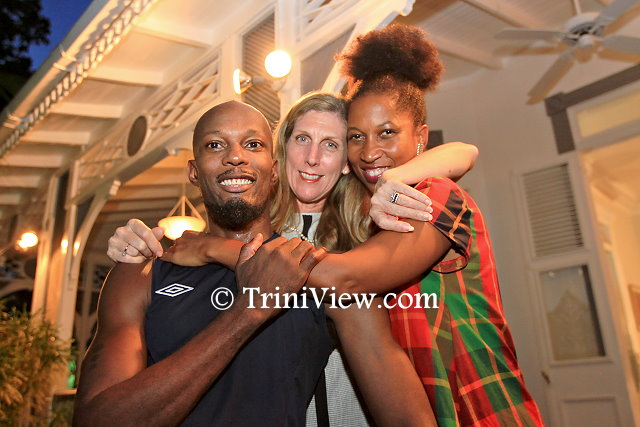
x=463 y=350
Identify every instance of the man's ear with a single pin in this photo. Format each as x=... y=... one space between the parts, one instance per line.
x=193 y=173
x=423 y=136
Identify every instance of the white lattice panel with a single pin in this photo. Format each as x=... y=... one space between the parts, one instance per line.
x=175 y=104
x=316 y=13
x=101 y=157
x=186 y=97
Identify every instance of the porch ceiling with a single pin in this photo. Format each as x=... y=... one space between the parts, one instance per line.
x=165 y=40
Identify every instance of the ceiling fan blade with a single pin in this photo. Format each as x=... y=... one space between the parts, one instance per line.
x=614 y=10
x=527 y=34
x=622 y=43
x=553 y=74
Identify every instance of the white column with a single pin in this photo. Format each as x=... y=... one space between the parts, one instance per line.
x=286 y=22
x=45 y=237
x=67 y=301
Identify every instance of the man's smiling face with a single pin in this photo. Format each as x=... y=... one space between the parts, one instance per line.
x=233 y=165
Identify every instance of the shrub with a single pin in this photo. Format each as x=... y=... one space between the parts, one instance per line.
x=32 y=360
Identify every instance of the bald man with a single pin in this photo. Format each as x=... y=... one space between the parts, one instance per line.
x=168 y=351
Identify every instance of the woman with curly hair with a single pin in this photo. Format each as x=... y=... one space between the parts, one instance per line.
x=462 y=350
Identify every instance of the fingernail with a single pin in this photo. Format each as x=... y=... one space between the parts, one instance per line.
x=158 y=254
x=426 y=216
x=429 y=209
x=410 y=228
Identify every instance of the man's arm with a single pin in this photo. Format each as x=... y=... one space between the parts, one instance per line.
x=116 y=386
x=384 y=374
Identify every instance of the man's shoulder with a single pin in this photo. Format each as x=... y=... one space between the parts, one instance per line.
x=162 y=269
x=127 y=283
x=123 y=272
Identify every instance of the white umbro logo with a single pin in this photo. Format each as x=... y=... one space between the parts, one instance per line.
x=174 y=290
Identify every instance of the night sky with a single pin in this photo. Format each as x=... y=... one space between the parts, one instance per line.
x=62 y=14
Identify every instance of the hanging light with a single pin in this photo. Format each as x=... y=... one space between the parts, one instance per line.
x=28 y=240
x=175 y=225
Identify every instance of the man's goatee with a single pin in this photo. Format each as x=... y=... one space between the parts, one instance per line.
x=235 y=214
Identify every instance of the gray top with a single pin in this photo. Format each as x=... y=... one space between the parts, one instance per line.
x=342 y=401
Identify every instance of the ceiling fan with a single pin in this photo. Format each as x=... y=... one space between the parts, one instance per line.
x=581 y=32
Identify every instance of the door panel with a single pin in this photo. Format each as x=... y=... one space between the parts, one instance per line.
x=581 y=347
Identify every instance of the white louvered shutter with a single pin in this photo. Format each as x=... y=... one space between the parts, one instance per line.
x=256 y=45
x=551 y=207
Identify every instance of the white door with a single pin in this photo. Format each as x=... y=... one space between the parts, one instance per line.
x=582 y=347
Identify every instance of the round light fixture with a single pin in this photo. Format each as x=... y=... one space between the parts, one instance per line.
x=278 y=63
x=28 y=240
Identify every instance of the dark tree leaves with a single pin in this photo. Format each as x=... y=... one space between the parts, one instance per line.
x=21 y=24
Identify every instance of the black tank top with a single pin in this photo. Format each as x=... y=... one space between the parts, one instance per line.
x=272 y=378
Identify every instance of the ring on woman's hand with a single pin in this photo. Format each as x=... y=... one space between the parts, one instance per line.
x=124 y=251
x=394 y=198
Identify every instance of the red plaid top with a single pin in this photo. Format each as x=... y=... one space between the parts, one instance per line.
x=463 y=350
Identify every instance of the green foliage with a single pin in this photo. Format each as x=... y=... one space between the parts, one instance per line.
x=32 y=359
x=62 y=413
x=22 y=25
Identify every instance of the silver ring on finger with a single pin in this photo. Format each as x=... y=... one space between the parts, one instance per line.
x=124 y=251
x=394 y=198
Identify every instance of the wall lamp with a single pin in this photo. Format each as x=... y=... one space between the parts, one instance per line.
x=28 y=240
x=277 y=64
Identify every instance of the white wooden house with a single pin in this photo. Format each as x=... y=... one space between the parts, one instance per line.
x=102 y=132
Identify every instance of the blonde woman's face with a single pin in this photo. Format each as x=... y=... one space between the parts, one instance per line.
x=316 y=158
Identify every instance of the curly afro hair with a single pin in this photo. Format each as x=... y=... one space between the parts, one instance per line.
x=398 y=61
